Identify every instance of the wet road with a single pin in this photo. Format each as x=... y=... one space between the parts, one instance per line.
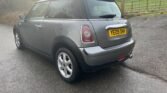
x=150 y=54
x=27 y=72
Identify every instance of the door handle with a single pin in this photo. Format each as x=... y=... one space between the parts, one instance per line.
x=38 y=26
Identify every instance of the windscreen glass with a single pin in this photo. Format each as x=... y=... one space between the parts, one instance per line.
x=103 y=9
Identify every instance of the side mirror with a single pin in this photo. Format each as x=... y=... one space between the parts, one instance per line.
x=22 y=17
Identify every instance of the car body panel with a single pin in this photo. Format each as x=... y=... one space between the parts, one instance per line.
x=95 y=56
x=52 y=28
x=45 y=34
x=102 y=35
x=30 y=32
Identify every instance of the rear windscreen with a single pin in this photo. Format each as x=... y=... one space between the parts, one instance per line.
x=103 y=9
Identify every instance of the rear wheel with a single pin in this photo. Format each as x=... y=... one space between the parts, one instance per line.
x=67 y=65
x=18 y=40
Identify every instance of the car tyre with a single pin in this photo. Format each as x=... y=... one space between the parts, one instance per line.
x=18 y=40
x=67 y=65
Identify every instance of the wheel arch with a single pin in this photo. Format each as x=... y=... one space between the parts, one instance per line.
x=69 y=44
x=14 y=29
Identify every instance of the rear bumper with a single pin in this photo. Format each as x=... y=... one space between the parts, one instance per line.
x=96 y=56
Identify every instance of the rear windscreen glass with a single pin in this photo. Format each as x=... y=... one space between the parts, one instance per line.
x=103 y=9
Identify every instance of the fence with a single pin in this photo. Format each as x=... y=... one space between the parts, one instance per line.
x=133 y=7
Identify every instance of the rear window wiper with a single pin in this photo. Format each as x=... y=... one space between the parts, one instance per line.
x=108 y=16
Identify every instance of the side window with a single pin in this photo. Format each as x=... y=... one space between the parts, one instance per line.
x=57 y=9
x=65 y=9
x=39 y=10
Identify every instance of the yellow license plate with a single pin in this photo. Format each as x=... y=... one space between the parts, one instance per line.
x=117 y=32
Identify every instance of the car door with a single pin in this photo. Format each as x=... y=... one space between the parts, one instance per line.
x=62 y=15
x=32 y=25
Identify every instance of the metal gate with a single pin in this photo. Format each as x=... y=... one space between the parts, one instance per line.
x=130 y=7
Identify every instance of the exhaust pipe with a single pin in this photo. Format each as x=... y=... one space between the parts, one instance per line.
x=131 y=56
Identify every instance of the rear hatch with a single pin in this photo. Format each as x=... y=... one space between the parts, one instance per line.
x=105 y=17
x=108 y=33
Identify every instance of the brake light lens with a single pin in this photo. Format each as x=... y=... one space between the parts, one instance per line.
x=87 y=36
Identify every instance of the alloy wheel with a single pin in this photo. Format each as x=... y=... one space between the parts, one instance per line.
x=65 y=65
x=17 y=40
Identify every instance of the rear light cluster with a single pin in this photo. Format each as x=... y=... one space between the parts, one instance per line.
x=87 y=35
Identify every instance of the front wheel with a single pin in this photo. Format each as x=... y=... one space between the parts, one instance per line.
x=67 y=65
x=18 y=40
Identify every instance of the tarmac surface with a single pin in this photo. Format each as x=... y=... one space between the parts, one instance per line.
x=27 y=72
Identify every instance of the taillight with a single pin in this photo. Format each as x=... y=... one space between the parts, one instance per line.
x=87 y=36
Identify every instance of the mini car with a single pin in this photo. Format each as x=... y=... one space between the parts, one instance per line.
x=78 y=35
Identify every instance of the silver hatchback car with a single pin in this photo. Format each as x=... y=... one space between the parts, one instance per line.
x=78 y=35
